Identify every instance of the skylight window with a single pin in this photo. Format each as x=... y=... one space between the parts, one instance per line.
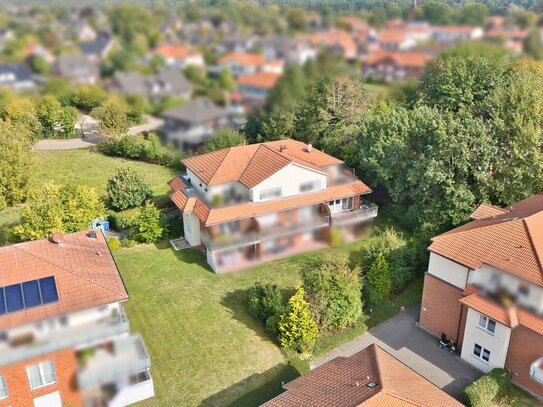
x=28 y=294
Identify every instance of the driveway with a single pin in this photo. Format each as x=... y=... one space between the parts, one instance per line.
x=401 y=337
x=91 y=136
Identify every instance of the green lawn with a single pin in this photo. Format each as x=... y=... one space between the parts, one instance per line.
x=205 y=348
x=87 y=167
x=516 y=397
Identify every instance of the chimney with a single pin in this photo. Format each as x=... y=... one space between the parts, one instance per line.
x=309 y=148
x=58 y=238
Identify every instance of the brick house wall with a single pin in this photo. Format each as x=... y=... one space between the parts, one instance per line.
x=526 y=347
x=440 y=309
x=18 y=385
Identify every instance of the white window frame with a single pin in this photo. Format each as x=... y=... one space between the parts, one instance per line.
x=485 y=323
x=41 y=370
x=271 y=193
x=481 y=353
x=4 y=394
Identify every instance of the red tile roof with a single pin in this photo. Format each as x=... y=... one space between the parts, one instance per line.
x=244 y=58
x=511 y=241
x=266 y=80
x=405 y=58
x=173 y=51
x=85 y=273
x=342 y=382
x=486 y=211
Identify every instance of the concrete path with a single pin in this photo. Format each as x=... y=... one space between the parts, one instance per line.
x=89 y=127
x=401 y=337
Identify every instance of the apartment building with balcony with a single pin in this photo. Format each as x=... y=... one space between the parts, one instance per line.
x=64 y=337
x=484 y=289
x=255 y=203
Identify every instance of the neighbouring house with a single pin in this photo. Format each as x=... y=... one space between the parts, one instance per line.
x=165 y=82
x=236 y=42
x=339 y=41
x=242 y=63
x=189 y=126
x=84 y=32
x=392 y=66
x=256 y=203
x=371 y=377
x=79 y=69
x=254 y=88
x=484 y=289
x=34 y=49
x=99 y=48
x=65 y=338
x=16 y=77
x=453 y=33
x=179 y=56
x=394 y=40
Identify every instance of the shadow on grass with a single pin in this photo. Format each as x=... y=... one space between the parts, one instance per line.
x=255 y=389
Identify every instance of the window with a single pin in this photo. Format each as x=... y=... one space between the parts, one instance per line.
x=3 y=388
x=487 y=324
x=523 y=290
x=495 y=278
x=481 y=353
x=347 y=203
x=309 y=186
x=270 y=193
x=41 y=374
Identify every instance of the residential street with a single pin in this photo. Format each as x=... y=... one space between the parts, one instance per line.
x=401 y=337
x=91 y=135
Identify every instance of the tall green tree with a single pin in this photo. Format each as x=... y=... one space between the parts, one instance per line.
x=58 y=208
x=16 y=163
x=113 y=116
x=377 y=282
x=224 y=137
x=148 y=226
x=532 y=45
x=297 y=329
x=127 y=189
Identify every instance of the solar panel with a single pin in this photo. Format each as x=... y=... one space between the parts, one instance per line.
x=31 y=293
x=14 y=297
x=2 y=302
x=48 y=290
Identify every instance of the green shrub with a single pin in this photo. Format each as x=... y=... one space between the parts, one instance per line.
x=117 y=221
x=336 y=237
x=297 y=329
x=377 y=281
x=400 y=256
x=265 y=301
x=485 y=390
x=333 y=291
x=174 y=226
x=127 y=242
x=147 y=227
x=126 y=189
x=114 y=244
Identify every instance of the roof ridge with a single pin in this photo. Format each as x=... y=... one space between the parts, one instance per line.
x=220 y=163
x=454 y=232
x=260 y=145
x=65 y=269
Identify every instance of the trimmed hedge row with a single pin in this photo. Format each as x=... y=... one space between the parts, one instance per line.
x=484 y=390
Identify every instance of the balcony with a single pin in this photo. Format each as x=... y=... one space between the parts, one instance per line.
x=536 y=370
x=285 y=229
x=224 y=241
x=366 y=211
x=114 y=324
x=139 y=388
x=127 y=356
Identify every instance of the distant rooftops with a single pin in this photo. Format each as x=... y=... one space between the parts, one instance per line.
x=371 y=377
x=78 y=269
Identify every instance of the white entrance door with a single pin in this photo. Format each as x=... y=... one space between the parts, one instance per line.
x=49 y=400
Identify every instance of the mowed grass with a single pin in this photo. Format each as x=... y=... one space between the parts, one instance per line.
x=84 y=166
x=205 y=347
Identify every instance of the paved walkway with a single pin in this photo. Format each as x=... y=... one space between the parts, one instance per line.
x=401 y=337
x=91 y=136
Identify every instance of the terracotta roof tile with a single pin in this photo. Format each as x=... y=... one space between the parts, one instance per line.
x=486 y=211
x=85 y=274
x=512 y=241
x=266 y=80
x=405 y=58
x=245 y=58
x=173 y=51
x=264 y=163
x=177 y=183
x=342 y=382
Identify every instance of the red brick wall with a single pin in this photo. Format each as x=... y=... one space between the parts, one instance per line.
x=18 y=385
x=525 y=347
x=440 y=309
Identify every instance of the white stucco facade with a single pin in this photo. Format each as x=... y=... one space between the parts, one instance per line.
x=496 y=343
x=447 y=270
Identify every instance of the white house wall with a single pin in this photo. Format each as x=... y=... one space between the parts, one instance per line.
x=289 y=180
x=448 y=270
x=496 y=343
x=191 y=228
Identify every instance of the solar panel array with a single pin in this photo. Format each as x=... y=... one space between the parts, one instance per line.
x=28 y=294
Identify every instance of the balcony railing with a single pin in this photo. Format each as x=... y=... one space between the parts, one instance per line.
x=229 y=241
x=289 y=228
x=69 y=337
x=129 y=356
x=366 y=211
